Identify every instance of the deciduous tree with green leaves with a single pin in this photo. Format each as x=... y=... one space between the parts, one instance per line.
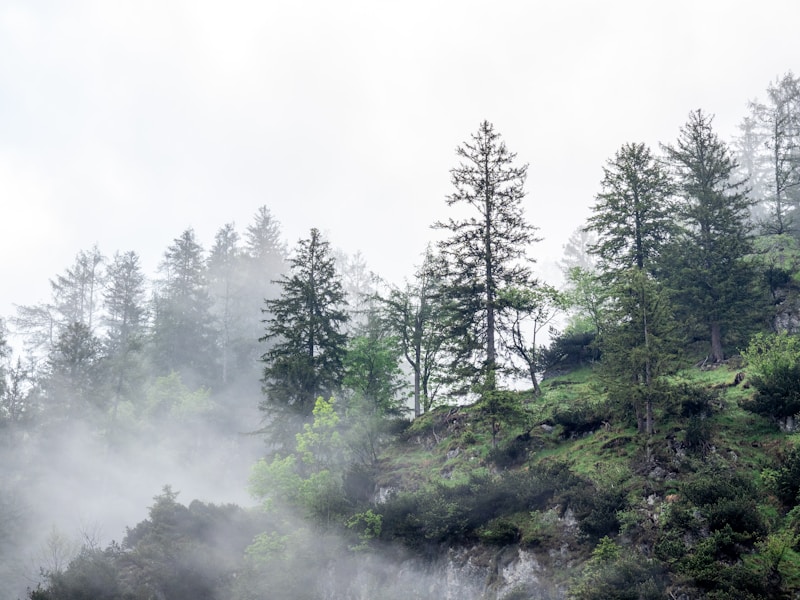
x=417 y=315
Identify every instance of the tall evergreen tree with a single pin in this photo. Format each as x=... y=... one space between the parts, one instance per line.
x=183 y=338
x=125 y=321
x=305 y=326
x=777 y=123
x=76 y=292
x=265 y=262
x=713 y=282
x=75 y=295
x=486 y=251
x=640 y=347
x=75 y=371
x=633 y=215
x=633 y=218
x=226 y=281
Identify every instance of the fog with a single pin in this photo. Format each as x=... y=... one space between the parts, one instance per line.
x=72 y=484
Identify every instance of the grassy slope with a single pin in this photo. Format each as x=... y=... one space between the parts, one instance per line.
x=571 y=425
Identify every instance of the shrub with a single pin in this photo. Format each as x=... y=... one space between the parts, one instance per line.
x=774 y=370
x=786 y=479
x=500 y=532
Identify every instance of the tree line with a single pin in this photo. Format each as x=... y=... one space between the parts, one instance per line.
x=677 y=249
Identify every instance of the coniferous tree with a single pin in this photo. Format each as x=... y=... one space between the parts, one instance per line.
x=183 y=338
x=305 y=327
x=265 y=261
x=713 y=282
x=76 y=371
x=125 y=321
x=75 y=295
x=226 y=288
x=633 y=216
x=76 y=292
x=641 y=345
x=634 y=219
x=486 y=251
x=777 y=123
x=576 y=252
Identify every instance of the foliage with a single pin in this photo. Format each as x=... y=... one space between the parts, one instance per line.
x=305 y=327
x=76 y=370
x=368 y=524
x=417 y=316
x=169 y=398
x=773 y=364
x=711 y=280
x=183 y=338
x=641 y=347
x=178 y=552
x=311 y=477
x=451 y=513
x=785 y=480
x=588 y=298
x=614 y=574
x=531 y=309
x=569 y=350
x=633 y=214
x=485 y=252
x=372 y=371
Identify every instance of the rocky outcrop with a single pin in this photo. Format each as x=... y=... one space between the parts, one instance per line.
x=471 y=572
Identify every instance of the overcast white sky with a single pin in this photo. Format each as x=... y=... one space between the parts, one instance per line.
x=124 y=123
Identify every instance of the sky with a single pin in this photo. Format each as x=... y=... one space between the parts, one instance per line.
x=124 y=123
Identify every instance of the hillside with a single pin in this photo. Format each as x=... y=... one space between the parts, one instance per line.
x=570 y=480
x=568 y=501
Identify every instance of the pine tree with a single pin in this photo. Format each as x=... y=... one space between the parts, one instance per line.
x=183 y=338
x=305 y=327
x=226 y=284
x=76 y=372
x=486 y=251
x=633 y=216
x=265 y=261
x=77 y=290
x=712 y=281
x=634 y=220
x=777 y=123
x=125 y=321
x=640 y=347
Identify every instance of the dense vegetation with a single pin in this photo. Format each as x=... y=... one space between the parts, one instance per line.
x=656 y=459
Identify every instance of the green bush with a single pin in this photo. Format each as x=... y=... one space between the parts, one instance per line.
x=773 y=365
x=786 y=479
x=500 y=532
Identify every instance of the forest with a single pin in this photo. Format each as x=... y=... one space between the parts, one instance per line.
x=472 y=432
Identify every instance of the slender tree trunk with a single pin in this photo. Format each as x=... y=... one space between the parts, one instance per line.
x=537 y=391
x=717 y=354
x=417 y=410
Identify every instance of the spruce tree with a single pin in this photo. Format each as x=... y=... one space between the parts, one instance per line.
x=183 y=338
x=486 y=251
x=633 y=215
x=712 y=281
x=634 y=219
x=305 y=326
x=125 y=314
